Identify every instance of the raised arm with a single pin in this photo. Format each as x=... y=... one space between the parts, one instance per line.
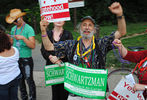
x=45 y=40
x=116 y=9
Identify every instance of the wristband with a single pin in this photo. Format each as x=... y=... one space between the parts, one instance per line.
x=44 y=35
x=120 y=17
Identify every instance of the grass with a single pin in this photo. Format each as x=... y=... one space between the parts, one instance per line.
x=140 y=40
x=132 y=28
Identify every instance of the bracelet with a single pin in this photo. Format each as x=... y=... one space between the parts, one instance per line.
x=44 y=35
x=120 y=17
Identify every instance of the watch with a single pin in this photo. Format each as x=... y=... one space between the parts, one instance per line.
x=120 y=17
x=145 y=87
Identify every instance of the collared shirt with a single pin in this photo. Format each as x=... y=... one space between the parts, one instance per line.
x=65 y=48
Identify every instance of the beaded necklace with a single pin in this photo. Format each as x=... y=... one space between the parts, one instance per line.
x=78 y=48
x=21 y=29
x=17 y=41
x=90 y=56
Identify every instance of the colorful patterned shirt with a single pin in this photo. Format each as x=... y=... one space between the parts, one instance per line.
x=66 y=48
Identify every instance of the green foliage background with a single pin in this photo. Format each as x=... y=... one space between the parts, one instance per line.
x=134 y=11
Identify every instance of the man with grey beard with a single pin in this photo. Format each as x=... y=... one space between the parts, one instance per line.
x=86 y=51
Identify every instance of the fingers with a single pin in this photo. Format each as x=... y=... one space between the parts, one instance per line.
x=114 y=5
x=43 y=24
x=116 y=41
x=16 y=37
x=44 y=21
x=42 y=17
x=134 y=88
x=53 y=59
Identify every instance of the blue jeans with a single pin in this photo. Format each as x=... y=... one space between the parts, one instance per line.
x=9 y=91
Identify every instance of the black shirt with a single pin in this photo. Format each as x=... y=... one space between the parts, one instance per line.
x=66 y=35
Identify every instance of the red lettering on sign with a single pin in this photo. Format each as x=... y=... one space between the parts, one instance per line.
x=54 y=0
x=127 y=96
x=126 y=84
x=139 y=96
x=129 y=88
x=111 y=98
x=44 y=2
x=120 y=97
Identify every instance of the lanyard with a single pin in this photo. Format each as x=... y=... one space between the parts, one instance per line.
x=17 y=41
x=21 y=29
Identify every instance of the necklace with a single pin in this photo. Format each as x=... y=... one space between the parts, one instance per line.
x=86 y=58
x=59 y=35
x=21 y=29
x=17 y=41
x=78 y=47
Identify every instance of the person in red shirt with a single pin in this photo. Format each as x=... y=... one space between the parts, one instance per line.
x=136 y=57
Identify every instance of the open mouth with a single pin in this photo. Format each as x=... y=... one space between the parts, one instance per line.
x=86 y=32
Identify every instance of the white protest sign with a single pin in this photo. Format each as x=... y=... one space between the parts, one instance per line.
x=124 y=91
x=54 y=10
x=130 y=78
x=76 y=3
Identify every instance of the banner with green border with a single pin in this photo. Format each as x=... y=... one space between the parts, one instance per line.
x=90 y=83
x=54 y=74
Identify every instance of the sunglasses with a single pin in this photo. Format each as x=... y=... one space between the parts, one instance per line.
x=16 y=20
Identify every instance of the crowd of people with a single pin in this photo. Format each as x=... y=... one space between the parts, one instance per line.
x=58 y=46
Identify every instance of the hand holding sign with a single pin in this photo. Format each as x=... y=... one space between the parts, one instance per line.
x=125 y=91
x=139 y=87
x=43 y=24
x=55 y=60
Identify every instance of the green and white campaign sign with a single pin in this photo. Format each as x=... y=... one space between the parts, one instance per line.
x=54 y=74
x=90 y=83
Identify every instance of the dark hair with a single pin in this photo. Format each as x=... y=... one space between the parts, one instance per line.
x=2 y=28
x=5 y=43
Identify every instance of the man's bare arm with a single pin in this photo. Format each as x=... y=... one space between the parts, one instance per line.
x=116 y=8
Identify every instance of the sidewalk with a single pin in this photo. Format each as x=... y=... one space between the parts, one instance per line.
x=43 y=93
